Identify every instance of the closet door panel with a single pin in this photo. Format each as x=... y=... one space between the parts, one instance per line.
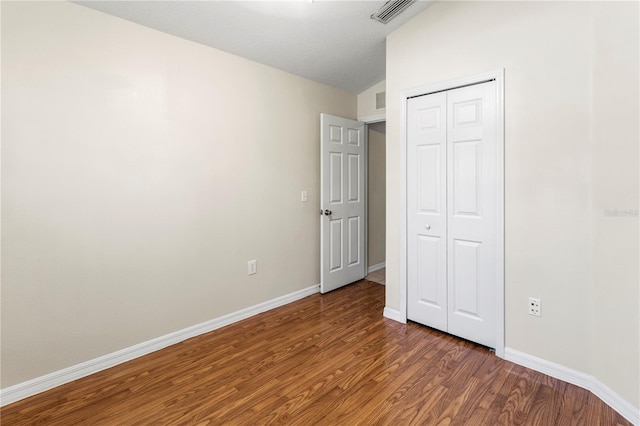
x=471 y=212
x=426 y=210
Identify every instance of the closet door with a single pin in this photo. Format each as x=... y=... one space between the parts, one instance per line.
x=426 y=210
x=471 y=212
x=451 y=208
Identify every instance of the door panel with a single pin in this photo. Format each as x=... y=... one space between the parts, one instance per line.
x=428 y=184
x=354 y=240
x=335 y=244
x=467 y=180
x=426 y=198
x=464 y=277
x=342 y=180
x=472 y=218
x=354 y=178
x=429 y=272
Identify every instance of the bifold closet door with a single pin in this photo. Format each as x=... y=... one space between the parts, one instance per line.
x=452 y=211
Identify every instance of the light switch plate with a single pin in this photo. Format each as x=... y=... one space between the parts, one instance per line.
x=252 y=267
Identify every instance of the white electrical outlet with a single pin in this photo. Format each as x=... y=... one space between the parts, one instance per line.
x=534 y=307
x=252 y=267
x=304 y=196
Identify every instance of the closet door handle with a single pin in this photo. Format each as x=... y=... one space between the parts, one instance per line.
x=428 y=227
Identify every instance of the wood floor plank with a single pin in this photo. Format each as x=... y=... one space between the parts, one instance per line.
x=324 y=360
x=520 y=398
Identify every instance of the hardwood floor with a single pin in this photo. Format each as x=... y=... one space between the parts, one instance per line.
x=324 y=360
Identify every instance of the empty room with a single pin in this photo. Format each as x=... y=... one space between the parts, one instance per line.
x=316 y=212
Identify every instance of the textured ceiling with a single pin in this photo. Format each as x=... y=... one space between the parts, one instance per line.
x=332 y=42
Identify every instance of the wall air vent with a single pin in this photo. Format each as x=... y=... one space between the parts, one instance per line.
x=390 y=10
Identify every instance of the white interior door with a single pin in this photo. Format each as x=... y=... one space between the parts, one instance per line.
x=342 y=225
x=452 y=209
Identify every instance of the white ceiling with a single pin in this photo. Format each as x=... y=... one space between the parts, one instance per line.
x=332 y=42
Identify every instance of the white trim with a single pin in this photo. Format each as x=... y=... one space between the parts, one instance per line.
x=500 y=264
x=370 y=119
x=498 y=76
x=394 y=315
x=615 y=401
x=402 y=309
x=366 y=199
x=40 y=384
x=585 y=381
x=375 y=267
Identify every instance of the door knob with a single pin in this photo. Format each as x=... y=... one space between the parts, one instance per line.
x=327 y=212
x=428 y=227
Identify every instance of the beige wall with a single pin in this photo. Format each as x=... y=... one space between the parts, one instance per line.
x=615 y=114
x=571 y=151
x=140 y=173
x=377 y=193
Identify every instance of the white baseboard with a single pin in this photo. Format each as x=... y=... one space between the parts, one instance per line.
x=40 y=384
x=592 y=384
x=393 y=314
x=375 y=267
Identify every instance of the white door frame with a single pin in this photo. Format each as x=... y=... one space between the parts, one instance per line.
x=372 y=119
x=498 y=76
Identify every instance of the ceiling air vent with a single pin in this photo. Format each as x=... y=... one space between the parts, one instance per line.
x=390 y=10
